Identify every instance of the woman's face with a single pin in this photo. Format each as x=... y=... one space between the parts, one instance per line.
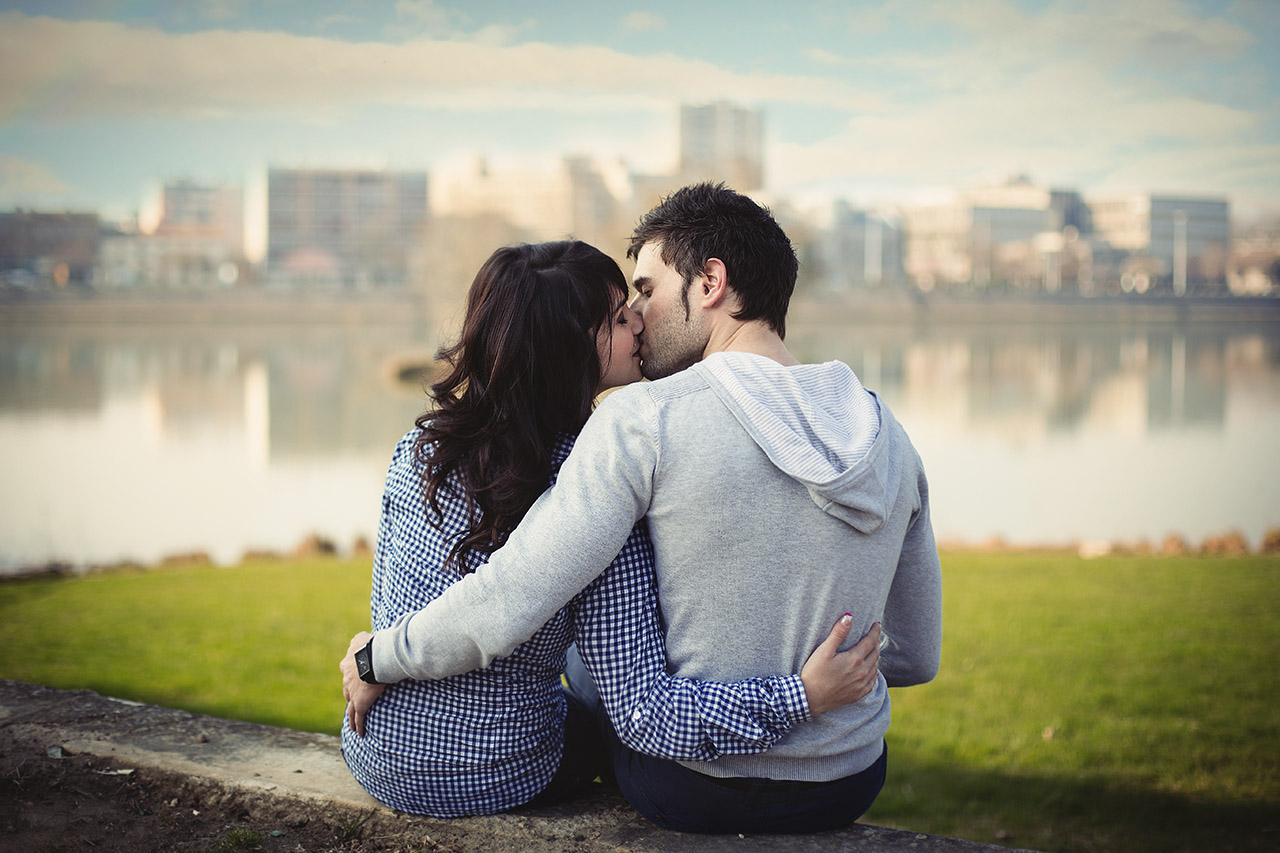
x=618 y=344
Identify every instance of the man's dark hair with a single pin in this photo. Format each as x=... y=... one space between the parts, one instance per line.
x=704 y=221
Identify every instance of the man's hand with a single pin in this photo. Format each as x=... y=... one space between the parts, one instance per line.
x=832 y=679
x=360 y=695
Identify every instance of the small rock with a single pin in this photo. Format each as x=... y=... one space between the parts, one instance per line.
x=55 y=752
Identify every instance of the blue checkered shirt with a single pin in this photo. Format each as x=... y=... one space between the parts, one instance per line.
x=490 y=740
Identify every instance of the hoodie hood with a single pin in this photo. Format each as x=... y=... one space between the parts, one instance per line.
x=818 y=425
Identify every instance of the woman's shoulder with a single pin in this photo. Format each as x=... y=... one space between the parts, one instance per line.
x=405 y=447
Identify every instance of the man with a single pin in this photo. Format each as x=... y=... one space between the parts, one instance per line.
x=778 y=495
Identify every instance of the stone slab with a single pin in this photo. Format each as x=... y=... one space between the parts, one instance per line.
x=265 y=767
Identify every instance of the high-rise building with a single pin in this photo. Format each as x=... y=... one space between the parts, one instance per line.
x=722 y=142
x=343 y=227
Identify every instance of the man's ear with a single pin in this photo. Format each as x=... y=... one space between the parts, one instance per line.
x=713 y=286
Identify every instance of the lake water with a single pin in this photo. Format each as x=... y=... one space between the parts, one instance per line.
x=136 y=442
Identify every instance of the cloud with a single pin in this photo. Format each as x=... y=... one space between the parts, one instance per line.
x=1146 y=93
x=66 y=70
x=221 y=10
x=644 y=22
x=1062 y=123
x=1146 y=35
x=426 y=14
x=826 y=57
x=22 y=179
x=1084 y=93
x=329 y=21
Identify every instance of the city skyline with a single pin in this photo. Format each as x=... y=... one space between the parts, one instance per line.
x=887 y=102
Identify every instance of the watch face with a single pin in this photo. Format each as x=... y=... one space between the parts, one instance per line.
x=364 y=663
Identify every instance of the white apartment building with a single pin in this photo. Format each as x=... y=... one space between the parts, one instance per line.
x=574 y=198
x=167 y=261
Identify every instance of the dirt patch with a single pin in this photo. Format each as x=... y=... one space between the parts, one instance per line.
x=77 y=803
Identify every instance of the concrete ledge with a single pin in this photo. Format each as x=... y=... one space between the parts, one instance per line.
x=295 y=777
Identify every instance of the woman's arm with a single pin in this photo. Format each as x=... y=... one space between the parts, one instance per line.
x=566 y=539
x=620 y=640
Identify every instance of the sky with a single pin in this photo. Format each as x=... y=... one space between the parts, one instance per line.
x=888 y=102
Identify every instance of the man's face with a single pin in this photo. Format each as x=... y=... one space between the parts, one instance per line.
x=672 y=339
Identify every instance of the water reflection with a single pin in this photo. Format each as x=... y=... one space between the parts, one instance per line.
x=1060 y=433
x=1018 y=381
x=133 y=445
x=133 y=448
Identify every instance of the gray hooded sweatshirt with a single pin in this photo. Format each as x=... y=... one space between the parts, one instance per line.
x=777 y=498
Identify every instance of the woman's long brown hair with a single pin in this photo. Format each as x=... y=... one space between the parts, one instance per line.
x=524 y=370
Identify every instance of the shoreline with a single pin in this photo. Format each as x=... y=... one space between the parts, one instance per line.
x=405 y=306
x=1231 y=543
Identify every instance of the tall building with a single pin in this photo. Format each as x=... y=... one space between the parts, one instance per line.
x=722 y=142
x=343 y=227
x=1185 y=240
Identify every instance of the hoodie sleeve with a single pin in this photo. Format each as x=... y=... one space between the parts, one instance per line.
x=566 y=539
x=913 y=612
x=620 y=639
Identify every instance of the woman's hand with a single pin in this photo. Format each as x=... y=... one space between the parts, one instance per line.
x=360 y=695
x=832 y=679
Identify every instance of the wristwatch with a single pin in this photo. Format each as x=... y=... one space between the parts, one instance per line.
x=364 y=663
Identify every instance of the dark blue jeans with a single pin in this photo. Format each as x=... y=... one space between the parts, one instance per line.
x=675 y=797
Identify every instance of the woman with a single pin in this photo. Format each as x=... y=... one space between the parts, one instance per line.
x=546 y=330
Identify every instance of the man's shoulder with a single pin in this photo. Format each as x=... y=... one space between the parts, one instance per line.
x=644 y=410
x=658 y=391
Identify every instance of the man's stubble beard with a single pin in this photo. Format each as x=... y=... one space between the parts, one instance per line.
x=682 y=347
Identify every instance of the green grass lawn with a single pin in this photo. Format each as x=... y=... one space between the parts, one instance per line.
x=1111 y=704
